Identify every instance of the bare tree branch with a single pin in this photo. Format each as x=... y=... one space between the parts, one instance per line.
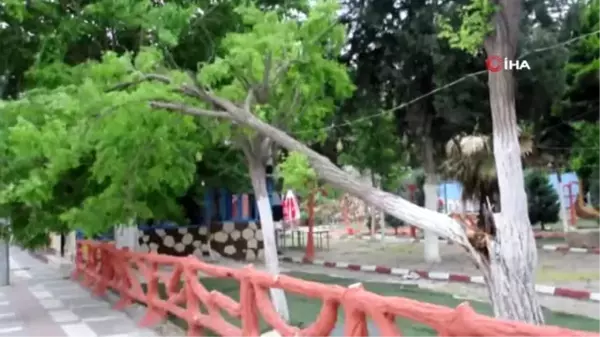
x=248 y=101
x=189 y=110
x=243 y=78
x=207 y=96
x=147 y=77
x=245 y=144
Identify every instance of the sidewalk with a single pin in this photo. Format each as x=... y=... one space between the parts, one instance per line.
x=42 y=301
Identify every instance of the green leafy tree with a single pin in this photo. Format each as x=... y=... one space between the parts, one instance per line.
x=580 y=102
x=280 y=68
x=41 y=42
x=542 y=199
x=274 y=71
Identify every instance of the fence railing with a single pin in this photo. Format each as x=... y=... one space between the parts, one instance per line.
x=105 y=267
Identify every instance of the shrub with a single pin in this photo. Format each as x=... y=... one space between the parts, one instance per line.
x=542 y=199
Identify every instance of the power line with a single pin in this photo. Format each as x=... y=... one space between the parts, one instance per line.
x=446 y=86
x=568 y=147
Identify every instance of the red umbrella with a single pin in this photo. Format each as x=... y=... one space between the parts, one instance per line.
x=290 y=208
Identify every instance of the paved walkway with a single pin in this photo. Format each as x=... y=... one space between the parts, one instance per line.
x=43 y=301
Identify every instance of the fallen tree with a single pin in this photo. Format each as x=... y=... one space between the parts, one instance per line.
x=512 y=259
x=259 y=92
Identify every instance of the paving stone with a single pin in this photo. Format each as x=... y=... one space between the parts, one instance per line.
x=41 y=302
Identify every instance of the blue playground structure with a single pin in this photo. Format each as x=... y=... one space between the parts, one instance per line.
x=220 y=205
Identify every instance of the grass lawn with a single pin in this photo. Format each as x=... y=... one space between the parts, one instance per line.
x=304 y=310
x=550 y=241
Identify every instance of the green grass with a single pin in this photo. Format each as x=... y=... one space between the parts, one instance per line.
x=550 y=241
x=304 y=310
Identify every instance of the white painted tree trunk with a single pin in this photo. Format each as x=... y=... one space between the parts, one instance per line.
x=127 y=236
x=381 y=214
x=510 y=273
x=432 y=242
x=563 y=209
x=367 y=217
x=258 y=175
x=372 y=211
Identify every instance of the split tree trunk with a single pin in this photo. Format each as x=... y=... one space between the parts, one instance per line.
x=432 y=242
x=510 y=273
x=258 y=173
x=513 y=253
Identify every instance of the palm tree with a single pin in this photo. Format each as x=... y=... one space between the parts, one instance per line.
x=470 y=161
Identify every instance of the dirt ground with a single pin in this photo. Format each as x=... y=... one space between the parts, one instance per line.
x=570 y=270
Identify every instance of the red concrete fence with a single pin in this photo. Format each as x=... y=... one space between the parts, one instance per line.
x=107 y=268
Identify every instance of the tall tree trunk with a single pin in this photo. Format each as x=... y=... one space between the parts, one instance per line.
x=373 y=211
x=258 y=172
x=126 y=235
x=510 y=273
x=561 y=199
x=63 y=242
x=432 y=242
x=377 y=184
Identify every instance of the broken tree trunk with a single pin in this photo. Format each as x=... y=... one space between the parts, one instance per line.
x=510 y=273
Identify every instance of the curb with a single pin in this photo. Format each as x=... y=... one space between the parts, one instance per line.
x=551 y=248
x=537 y=235
x=583 y=295
x=567 y=249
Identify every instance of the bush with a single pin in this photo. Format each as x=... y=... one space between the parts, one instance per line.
x=595 y=189
x=542 y=199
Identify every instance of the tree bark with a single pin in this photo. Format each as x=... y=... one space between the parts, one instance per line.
x=258 y=173
x=432 y=242
x=510 y=273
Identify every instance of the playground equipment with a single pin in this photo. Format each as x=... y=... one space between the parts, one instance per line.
x=582 y=210
x=577 y=207
x=568 y=191
x=109 y=268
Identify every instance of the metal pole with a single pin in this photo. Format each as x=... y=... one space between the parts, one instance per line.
x=4 y=263
x=4 y=254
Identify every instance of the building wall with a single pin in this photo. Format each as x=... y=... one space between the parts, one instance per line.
x=236 y=240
